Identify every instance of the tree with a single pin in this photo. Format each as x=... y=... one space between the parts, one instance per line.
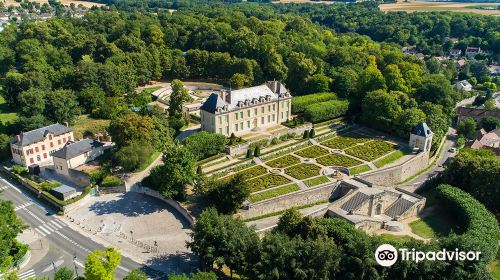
x=409 y=119
x=64 y=274
x=318 y=83
x=436 y=89
x=299 y=69
x=177 y=171
x=228 y=196
x=91 y=99
x=467 y=128
x=256 y=152
x=249 y=153
x=204 y=144
x=490 y=123
x=131 y=127
x=10 y=227
x=4 y=147
x=178 y=96
x=394 y=78
x=305 y=135
x=490 y=104
x=30 y=123
x=312 y=133
x=62 y=106
x=371 y=78
x=136 y=274
x=239 y=80
x=32 y=102
x=134 y=154
x=101 y=265
x=380 y=110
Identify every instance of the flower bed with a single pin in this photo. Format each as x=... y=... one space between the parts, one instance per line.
x=343 y=142
x=371 y=150
x=316 y=181
x=303 y=171
x=338 y=160
x=312 y=152
x=273 y=193
x=266 y=182
x=285 y=161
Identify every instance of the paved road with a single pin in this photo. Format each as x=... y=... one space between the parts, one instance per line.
x=64 y=243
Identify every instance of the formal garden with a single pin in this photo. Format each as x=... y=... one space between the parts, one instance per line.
x=307 y=165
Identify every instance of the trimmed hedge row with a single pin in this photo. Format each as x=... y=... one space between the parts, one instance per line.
x=371 y=150
x=284 y=161
x=303 y=171
x=266 y=182
x=323 y=111
x=338 y=160
x=480 y=226
x=300 y=103
x=312 y=152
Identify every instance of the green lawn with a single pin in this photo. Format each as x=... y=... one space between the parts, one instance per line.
x=285 y=161
x=253 y=172
x=7 y=116
x=86 y=125
x=494 y=268
x=359 y=169
x=316 y=181
x=273 y=193
x=433 y=226
x=145 y=164
x=312 y=152
x=392 y=157
x=390 y=237
x=303 y=171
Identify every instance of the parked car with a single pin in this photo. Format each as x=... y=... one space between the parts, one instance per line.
x=452 y=150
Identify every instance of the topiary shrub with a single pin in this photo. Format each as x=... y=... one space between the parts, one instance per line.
x=312 y=133
x=257 y=151
x=306 y=134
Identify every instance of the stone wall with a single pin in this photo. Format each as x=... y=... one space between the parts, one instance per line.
x=304 y=197
x=116 y=189
x=174 y=204
x=242 y=148
x=392 y=175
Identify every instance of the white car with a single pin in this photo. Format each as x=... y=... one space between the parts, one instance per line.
x=452 y=150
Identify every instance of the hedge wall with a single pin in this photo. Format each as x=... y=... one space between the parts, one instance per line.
x=300 y=103
x=480 y=226
x=323 y=111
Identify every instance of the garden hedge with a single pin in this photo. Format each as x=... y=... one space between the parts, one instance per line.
x=284 y=161
x=481 y=231
x=266 y=182
x=323 y=111
x=303 y=171
x=300 y=103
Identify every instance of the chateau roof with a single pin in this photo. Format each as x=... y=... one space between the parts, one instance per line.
x=422 y=130
x=37 y=135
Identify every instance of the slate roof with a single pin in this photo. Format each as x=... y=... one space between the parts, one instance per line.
x=37 y=135
x=476 y=112
x=213 y=101
x=398 y=207
x=64 y=189
x=422 y=130
x=74 y=149
x=355 y=202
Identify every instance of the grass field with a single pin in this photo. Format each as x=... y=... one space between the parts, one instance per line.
x=316 y=181
x=414 y=6
x=86 y=125
x=359 y=169
x=433 y=226
x=494 y=268
x=7 y=116
x=64 y=2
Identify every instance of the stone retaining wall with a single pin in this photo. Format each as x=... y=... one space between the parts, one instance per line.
x=303 y=197
x=174 y=204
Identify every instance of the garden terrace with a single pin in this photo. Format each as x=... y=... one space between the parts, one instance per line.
x=253 y=172
x=316 y=181
x=282 y=162
x=343 y=142
x=266 y=182
x=338 y=160
x=371 y=150
x=312 y=152
x=303 y=171
x=273 y=193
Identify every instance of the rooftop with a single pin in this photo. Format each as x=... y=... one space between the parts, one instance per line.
x=74 y=149
x=37 y=135
x=422 y=130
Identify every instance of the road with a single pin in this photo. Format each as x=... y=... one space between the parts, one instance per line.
x=67 y=248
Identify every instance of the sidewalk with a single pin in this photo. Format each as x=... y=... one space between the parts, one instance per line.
x=39 y=247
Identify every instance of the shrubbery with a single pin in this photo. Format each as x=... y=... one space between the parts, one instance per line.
x=204 y=144
x=480 y=226
x=323 y=111
x=111 y=181
x=300 y=103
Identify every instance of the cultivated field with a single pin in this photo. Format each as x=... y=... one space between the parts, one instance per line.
x=64 y=2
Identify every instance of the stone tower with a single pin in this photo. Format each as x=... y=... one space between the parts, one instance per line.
x=421 y=138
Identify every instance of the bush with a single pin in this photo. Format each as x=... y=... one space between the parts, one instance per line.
x=323 y=111
x=111 y=181
x=303 y=171
x=19 y=170
x=266 y=182
x=300 y=103
x=312 y=133
x=480 y=226
x=371 y=150
x=249 y=153
x=48 y=186
x=204 y=144
x=257 y=151
x=337 y=160
x=312 y=152
x=306 y=134
x=285 y=161
x=134 y=154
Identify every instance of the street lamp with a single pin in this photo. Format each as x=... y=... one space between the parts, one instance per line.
x=74 y=262
x=132 y=235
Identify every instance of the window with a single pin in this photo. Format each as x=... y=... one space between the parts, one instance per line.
x=31 y=160
x=69 y=138
x=64 y=140
x=212 y=120
x=220 y=130
x=38 y=158
x=31 y=151
x=255 y=111
x=286 y=115
x=220 y=120
x=58 y=141
x=235 y=127
x=274 y=117
x=241 y=125
x=248 y=124
x=50 y=136
x=44 y=155
x=281 y=115
x=248 y=113
x=227 y=129
x=269 y=108
x=236 y=116
x=268 y=118
x=262 y=109
x=43 y=147
x=241 y=114
x=262 y=120
x=51 y=144
x=227 y=118
x=36 y=149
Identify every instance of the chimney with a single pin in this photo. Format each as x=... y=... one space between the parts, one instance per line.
x=18 y=138
x=272 y=85
x=223 y=95
x=66 y=124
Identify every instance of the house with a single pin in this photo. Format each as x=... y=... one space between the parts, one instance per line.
x=37 y=146
x=486 y=140
x=421 y=138
x=463 y=85
x=244 y=110
x=63 y=192
x=494 y=70
x=472 y=51
x=409 y=49
x=455 y=53
x=74 y=154
x=460 y=63
x=420 y=56
x=475 y=113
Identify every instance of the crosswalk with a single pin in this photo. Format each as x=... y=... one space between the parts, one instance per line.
x=49 y=227
x=27 y=274
x=24 y=205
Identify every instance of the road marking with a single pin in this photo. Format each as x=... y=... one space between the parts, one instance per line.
x=40 y=232
x=123 y=268
x=54 y=223
x=9 y=184
x=79 y=263
x=44 y=229
x=72 y=242
x=22 y=206
x=27 y=274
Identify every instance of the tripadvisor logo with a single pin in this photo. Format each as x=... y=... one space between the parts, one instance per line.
x=386 y=255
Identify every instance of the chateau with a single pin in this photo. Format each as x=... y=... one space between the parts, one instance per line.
x=241 y=111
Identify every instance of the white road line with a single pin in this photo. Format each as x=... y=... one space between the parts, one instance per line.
x=53 y=223
x=35 y=216
x=123 y=268
x=40 y=232
x=22 y=206
x=12 y=186
x=44 y=229
x=79 y=264
x=27 y=274
x=50 y=227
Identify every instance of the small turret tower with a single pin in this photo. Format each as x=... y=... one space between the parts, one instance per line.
x=421 y=138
